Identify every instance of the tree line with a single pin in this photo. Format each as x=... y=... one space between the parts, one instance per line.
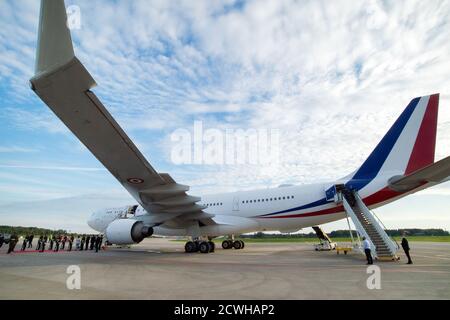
x=22 y=231
x=346 y=233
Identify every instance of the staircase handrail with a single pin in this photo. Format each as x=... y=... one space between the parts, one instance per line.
x=375 y=223
x=359 y=227
x=381 y=222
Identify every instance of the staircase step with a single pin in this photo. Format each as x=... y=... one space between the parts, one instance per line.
x=383 y=252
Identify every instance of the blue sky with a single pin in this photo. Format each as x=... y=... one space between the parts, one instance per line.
x=332 y=76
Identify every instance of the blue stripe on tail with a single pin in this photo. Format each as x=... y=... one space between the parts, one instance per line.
x=372 y=166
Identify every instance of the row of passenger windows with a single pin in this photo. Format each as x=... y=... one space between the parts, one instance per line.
x=254 y=201
x=268 y=199
x=214 y=204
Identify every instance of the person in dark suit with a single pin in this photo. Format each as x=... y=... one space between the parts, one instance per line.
x=83 y=239
x=12 y=243
x=57 y=242
x=405 y=246
x=71 y=238
x=63 y=242
x=88 y=238
x=43 y=243
x=24 y=243
x=98 y=243
x=93 y=242
x=30 y=241
x=2 y=240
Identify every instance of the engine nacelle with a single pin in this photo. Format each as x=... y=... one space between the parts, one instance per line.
x=127 y=231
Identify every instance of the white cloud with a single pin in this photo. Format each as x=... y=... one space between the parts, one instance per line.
x=16 y=149
x=52 y=168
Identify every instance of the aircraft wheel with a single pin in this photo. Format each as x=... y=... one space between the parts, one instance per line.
x=212 y=246
x=227 y=244
x=190 y=247
x=204 y=247
x=237 y=245
x=243 y=244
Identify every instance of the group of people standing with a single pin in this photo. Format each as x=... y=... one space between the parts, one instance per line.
x=89 y=242
x=56 y=243
x=12 y=242
x=368 y=250
x=59 y=242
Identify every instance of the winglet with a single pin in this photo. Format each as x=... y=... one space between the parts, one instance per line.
x=54 y=41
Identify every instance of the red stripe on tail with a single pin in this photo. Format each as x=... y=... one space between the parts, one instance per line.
x=423 y=152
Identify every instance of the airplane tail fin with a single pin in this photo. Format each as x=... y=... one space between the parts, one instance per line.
x=409 y=145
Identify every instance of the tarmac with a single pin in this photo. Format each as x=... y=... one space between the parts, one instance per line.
x=160 y=269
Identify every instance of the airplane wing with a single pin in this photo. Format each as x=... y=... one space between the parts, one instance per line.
x=435 y=173
x=64 y=84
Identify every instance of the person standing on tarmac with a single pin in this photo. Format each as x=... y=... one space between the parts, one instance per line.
x=2 y=240
x=24 y=243
x=93 y=242
x=52 y=240
x=83 y=238
x=88 y=238
x=12 y=243
x=77 y=243
x=98 y=242
x=70 y=242
x=43 y=243
x=367 y=250
x=30 y=241
x=63 y=242
x=57 y=239
x=39 y=243
x=405 y=246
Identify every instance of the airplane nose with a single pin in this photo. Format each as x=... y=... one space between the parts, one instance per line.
x=91 y=220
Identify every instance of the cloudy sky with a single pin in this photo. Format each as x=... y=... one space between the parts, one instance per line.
x=331 y=76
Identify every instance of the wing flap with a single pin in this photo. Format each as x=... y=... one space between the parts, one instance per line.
x=435 y=173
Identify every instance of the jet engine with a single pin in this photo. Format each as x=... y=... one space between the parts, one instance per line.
x=127 y=231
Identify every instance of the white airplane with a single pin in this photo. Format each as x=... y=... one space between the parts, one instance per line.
x=402 y=163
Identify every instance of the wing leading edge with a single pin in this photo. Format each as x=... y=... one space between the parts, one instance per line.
x=64 y=84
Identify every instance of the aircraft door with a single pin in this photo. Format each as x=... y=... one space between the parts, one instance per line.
x=236 y=204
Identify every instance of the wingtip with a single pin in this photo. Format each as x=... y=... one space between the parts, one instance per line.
x=54 y=47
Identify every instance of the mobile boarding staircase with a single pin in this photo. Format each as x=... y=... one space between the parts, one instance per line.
x=367 y=224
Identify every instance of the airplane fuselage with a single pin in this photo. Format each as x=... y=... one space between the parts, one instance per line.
x=285 y=209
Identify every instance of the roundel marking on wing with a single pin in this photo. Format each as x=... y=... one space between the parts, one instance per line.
x=135 y=181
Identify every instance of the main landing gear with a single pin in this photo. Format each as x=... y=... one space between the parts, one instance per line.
x=236 y=244
x=199 y=246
